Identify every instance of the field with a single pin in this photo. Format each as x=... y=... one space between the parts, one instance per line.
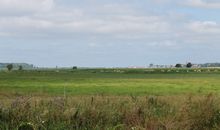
x=111 y=82
x=112 y=99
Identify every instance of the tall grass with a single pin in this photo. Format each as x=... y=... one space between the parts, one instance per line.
x=111 y=113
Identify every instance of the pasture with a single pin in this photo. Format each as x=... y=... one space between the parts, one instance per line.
x=110 y=99
x=111 y=82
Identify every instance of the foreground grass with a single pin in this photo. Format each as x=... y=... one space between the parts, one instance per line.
x=112 y=113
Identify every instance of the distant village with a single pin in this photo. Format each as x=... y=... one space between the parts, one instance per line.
x=178 y=65
x=187 y=65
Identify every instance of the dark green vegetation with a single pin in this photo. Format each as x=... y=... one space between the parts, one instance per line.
x=16 y=66
x=110 y=99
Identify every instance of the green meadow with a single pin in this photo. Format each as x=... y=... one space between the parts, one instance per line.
x=111 y=82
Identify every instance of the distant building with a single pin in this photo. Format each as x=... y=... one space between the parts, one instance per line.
x=196 y=66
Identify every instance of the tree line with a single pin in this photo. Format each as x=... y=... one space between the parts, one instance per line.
x=188 y=65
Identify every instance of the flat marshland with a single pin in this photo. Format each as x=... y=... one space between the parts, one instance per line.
x=110 y=99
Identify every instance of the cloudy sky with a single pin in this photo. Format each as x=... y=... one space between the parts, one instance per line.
x=109 y=33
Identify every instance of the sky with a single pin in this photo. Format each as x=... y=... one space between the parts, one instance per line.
x=109 y=33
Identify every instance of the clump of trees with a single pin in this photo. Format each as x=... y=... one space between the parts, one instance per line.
x=188 y=65
x=178 y=65
x=74 y=68
x=9 y=67
x=20 y=68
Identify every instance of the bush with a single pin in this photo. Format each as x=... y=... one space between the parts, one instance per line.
x=9 y=67
x=189 y=65
x=74 y=67
x=178 y=65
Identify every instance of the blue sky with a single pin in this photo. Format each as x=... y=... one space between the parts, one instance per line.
x=109 y=33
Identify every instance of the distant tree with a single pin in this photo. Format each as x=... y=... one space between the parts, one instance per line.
x=9 y=67
x=20 y=67
x=189 y=65
x=74 y=67
x=178 y=65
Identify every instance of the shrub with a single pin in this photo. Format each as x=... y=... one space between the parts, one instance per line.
x=9 y=67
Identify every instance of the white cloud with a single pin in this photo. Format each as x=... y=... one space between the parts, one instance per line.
x=208 y=27
x=114 y=9
x=166 y=43
x=114 y=25
x=23 y=23
x=128 y=24
x=133 y=25
x=113 y=20
x=25 y=6
x=198 y=32
x=162 y=1
x=93 y=44
x=3 y=34
x=203 y=4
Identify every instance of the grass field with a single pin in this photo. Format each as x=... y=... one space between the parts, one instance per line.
x=110 y=99
x=110 y=82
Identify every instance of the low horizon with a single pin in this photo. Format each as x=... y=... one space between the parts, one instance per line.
x=129 y=66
